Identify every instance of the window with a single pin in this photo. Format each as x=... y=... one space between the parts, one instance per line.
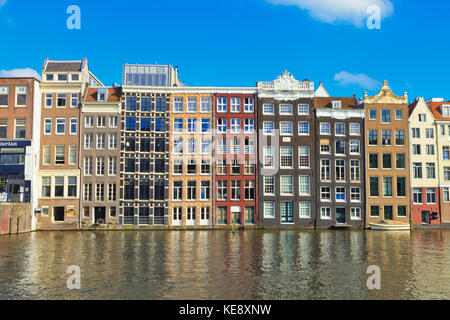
x=268 y=109
x=398 y=115
x=47 y=126
x=446 y=152
x=192 y=166
x=355 y=171
x=417 y=170
x=400 y=161
x=325 y=128
x=177 y=125
x=113 y=122
x=304 y=157
x=373 y=161
x=249 y=167
x=386 y=137
x=235 y=167
x=145 y=124
x=401 y=211
x=355 y=129
x=99 y=192
x=129 y=189
x=287 y=185
x=268 y=154
x=75 y=77
x=431 y=195
x=222 y=125
x=372 y=114
x=235 y=105
x=249 y=146
x=160 y=165
x=417 y=195
x=303 y=128
x=373 y=137
x=430 y=149
x=144 y=165
x=3 y=128
x=60 y=155
x=61 y=100
x=235 y=125
x=374 y=211
x=269 y=209
x=48 y=100
x=205 y=105
x=303 y=109
x=205 y=167
x=304 y=209
x=222 y=104
x=72 y=155
x=113 y=141
x=304 y=185
x=340 y=170
x=249 y=215
x=354 y=147
x=74 y=100
x=249 y=190
x=178 y=105
x=59 y=187
x=387 y=186
x=89 y=122
x=325 y=170
x=88 y=166
x=235 y=190
x=373 y=186
x=339 y=129
x=325 y=213
x=205 y=147
x=87 y=192
x=446 y=194
x=269 y=185
x=222 y=190
x=429 y=133
x=401 y=187
x=442 y=130
x=112 y=166
x=62 y=77
x=248 y=105
x=191 y=146
x=325 y=193
x=72 y=187
x=4 y=96
x=206 y=125
x=73 y=126
x=415 y=132
x=286 y=109
x=101 y=140
x=325 y=147
x=355 y=194
x=340 y=194
x=422 y=118
x=221 y=146
x=160 y=124
x=287 y=212
x=447 y=173
x=20 y=129
x=431 y=170
x=249 y=126
x=100 y=168
x=400 y=137
x=88 y=141
x=160 y=105
x=355 y=213
x=159 y=193
x=268 y=128
x=385 y=116
x=286 y=128
x=177 y=166
x=192 y=105
x=130 y=104
x=46 y=157
x=46 y=187
x=60 y=126
x=416 y=149
x=286 y=157
x=221 y=167
x=177 y=192
x=192 y=125
x=112 y=192
x=340 y=147
x=387 y=161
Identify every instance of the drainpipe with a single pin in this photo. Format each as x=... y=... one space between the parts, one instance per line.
x=80 y=125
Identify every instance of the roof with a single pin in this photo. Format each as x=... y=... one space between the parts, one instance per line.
x=64 y=66
x=346 y=102
x=436 y=110
x=412 y=106
x=113 y=95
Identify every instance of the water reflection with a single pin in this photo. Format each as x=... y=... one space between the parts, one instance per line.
x=226 y=265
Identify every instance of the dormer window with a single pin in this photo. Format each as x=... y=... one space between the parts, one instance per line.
x=62 y=77
x=50 y=77
x=102 y=94
x=445 y=110
x=336 y=104
x=75 y=77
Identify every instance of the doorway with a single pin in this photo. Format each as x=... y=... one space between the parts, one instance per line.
x=100 y=214
x=340 y=216
x=388 y=213
x=235 y=215
x=426 y=217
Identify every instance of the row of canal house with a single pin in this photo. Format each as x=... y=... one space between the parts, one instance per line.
x=154 y=152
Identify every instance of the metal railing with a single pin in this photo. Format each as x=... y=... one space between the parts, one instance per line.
x=15 y=197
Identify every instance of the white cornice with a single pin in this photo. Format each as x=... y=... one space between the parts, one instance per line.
x=340 y=114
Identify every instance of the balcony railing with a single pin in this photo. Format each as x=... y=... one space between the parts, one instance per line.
x=15 y=197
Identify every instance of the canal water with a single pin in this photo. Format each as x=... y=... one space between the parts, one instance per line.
x=226 y=265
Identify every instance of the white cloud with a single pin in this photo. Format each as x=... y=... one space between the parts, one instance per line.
x=362 y=80
x=340 y=11
x=20 y=73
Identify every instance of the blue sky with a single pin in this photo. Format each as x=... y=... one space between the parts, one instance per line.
x=240 y=42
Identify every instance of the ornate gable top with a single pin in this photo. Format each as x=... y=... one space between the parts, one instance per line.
x=286 y=85
x=386 y=96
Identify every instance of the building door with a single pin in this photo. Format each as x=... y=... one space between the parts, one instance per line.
x=58 y=214
x=204 y=216
x=158 y=215
x=235 y=215
x=426 y=217
x=340 y=216
x=99 y=214
x=190 y=216
x=177 y=216
x=388 y=213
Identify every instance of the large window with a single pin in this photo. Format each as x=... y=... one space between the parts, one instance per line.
x=287 y=185
x=4 y=128
x=304 y=160
x=269 y=209
x=60 y=155
x=286 y=157
x=235 y=105
x=268 y=128
x=205 y=106
x=222 y=104
x=304 y=185
x=20 y=129
x=235 y=190
x=222 y=190
x=269 y=185
x=374 y=187
x=355 y=170
x=287 y=212
x=325 y=170
x=192 y=105
x=387 y=186
x=304 y=209
x=303 y=128
x=249 y=190
x=340 y=170
x=401 y=187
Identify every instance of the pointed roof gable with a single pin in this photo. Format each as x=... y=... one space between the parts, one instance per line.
x=419 y=105
x=321 y=92
x=386 y=96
